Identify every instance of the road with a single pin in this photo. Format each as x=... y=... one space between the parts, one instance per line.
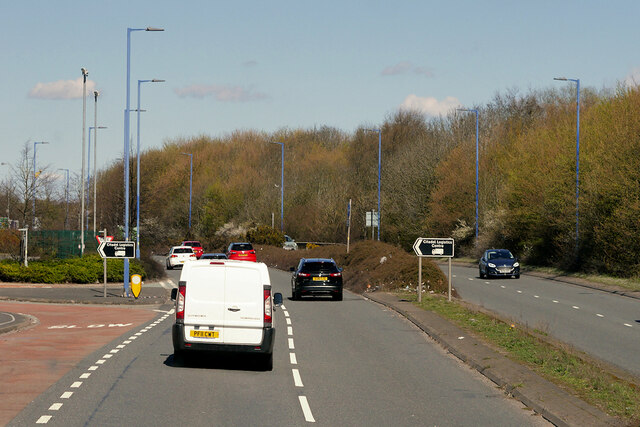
x=600 y=323
x=335 y=363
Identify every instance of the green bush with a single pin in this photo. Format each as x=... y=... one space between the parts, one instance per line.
x=265 y=235
x=88 y=269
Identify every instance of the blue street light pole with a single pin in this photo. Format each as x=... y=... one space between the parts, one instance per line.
x=281 y=184
x=190 y=183
x=477 y=162
x=126 y=150
x=33 y=192
x=379 y=173
x=138 y=169
x=66 y=212
x=577 y=82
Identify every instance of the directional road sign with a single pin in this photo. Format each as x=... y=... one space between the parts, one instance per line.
x=117 y=249
x=434 y=247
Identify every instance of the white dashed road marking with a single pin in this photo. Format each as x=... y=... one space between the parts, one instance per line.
x=292 y=359
x=306 y=410
x=44 y=419
x=296 y=378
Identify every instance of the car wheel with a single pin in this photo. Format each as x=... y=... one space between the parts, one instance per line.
x=338 y=296
x=169 y=267
x=296 y=296
x=517 y=276
x=481 y=274
x=179 y=358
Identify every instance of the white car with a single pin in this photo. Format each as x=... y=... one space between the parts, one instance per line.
x=178 y=255
x=289 y=244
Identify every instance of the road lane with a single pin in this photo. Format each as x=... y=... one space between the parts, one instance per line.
x=600 y=323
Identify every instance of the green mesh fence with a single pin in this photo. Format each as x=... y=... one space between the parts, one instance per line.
x=60 y=243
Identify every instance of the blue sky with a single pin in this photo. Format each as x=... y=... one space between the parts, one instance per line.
x=297 y=64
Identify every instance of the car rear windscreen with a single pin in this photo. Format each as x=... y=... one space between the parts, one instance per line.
x=241 y=247
x=319 y=267
x=183 y=251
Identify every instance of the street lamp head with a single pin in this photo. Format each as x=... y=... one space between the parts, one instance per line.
x=154 y=29
x=96 y=93
x=564 y=79
x=157 y=80
x=84 y=71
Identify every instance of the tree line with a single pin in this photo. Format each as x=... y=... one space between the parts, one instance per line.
x=527 y=182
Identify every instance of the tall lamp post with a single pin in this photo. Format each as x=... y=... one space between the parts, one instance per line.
x=95 y=148
x=33 y=192
x=138 y=169
x=66 y=212
x=95 y=158
x=85 y=73
x=126 y=150
x=477 y=158
x=8 y=210
x=577 y=82
x=281 y=184
x=379 y=172
x=190 y=183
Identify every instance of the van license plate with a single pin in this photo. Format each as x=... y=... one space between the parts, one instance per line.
x=204 y=334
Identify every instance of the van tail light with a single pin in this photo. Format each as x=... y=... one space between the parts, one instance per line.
x=301 y=274
x=267 y=307
x=336 y=274
x=182 y=291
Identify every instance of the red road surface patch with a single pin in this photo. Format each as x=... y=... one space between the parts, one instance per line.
x=33 y=359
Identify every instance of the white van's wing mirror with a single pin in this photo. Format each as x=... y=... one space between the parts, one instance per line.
x=277 y=299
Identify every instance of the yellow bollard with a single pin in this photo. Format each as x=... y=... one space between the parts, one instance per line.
x=136 y=285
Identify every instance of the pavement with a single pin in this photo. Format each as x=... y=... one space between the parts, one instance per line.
x=553 y=403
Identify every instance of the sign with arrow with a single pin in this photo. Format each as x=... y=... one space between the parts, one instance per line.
x=117 y=249
x=433 y=247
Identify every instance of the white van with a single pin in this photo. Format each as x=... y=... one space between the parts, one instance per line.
x=225 y=306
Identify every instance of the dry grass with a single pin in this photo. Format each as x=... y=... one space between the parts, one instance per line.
x=368 y=265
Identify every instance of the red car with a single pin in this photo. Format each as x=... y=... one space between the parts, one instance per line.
x=195 y=245
x=241 y=251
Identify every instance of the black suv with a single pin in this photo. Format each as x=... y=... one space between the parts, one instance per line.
x=316 y=276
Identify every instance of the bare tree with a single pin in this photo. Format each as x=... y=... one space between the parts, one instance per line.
x=28 y=186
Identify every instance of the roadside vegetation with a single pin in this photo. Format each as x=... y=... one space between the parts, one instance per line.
x=594 y=382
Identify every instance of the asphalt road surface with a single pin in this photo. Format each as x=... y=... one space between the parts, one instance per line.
x=335 y=363
x=599 y=323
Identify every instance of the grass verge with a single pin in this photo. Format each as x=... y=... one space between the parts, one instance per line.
x=590 y=380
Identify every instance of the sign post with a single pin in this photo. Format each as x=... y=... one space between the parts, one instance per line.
x=434 y=248
x=104 y=238
x=118 y=250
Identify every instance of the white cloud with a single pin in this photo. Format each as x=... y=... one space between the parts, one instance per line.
x=224 y=93
x=430 y=105
x=62 y=89
x=404 y=67
x=633 y=78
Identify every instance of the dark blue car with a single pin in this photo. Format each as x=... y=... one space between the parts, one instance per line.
x=499 y=263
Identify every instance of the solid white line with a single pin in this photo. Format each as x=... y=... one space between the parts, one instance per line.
x=289 y=330
x=44 y=419
x=85 y=375
x=66 y=395
x=291 y=346
x=306 y=410
x=626 y=324
x=599 y=315
x=296 y=378
x=55 y=407
x=288 y=321
x=76 y=384
x=10 y=320
x=292 y=359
